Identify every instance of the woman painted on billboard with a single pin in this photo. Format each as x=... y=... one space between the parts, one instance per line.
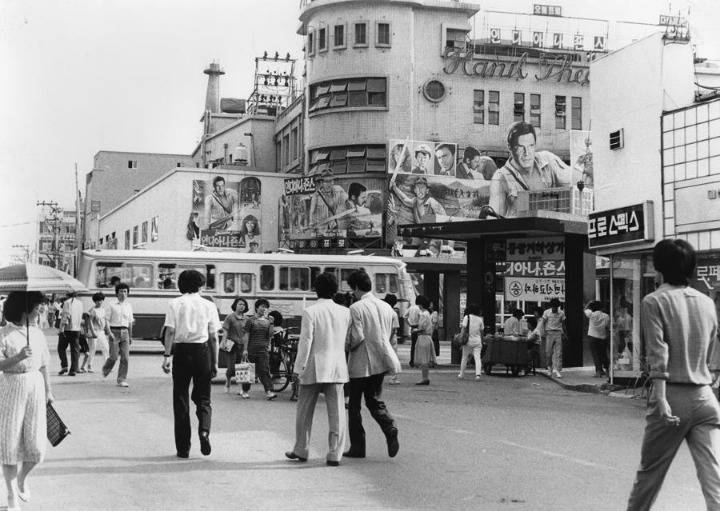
x=401 y=153
x=250 y=230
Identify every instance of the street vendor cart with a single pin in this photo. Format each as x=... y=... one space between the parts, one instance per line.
x=509 y=350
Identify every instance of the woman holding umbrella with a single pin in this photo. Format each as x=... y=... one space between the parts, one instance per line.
x=24 y=392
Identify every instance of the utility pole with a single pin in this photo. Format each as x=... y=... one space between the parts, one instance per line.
x=26 y=254
x=54 y=221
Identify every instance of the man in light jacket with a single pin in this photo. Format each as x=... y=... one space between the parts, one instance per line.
x=370 y=346
x=321 y=367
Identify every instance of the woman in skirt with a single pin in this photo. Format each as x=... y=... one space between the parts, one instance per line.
x=24 y=392
x=424 y=350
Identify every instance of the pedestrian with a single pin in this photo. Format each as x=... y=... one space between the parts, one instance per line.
x=553 y=324
x=321 y=368
x=412 y=316
x=392 y=301
x=368 y=344
x=679 y=338
x=121 y=321
x=424 y=349
x=98 y=330
x=24 y=392
x=84 y=342
x=598 y=333
x=191 y=327
x=475 y=326
x=259 y=330
x=69 y=335
x=435 y=320
x=534 y=340
x=234 y=333
x=43 y=315
x=513 y=325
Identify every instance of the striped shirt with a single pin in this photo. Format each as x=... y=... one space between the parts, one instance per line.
x=259 y=331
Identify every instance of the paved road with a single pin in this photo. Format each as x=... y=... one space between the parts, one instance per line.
x=499 y=444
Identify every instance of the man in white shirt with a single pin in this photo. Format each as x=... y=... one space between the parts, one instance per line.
x=412 y=316
x=321 y=367
x=191 y=327
x=70 y=321
x=370 y=341
x=121 y=319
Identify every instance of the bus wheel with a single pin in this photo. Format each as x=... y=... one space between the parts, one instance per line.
x=280 y=376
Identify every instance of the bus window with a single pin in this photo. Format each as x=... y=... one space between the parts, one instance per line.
x=344 y=274
x=168 y=274
x=135 y=275
x=380 y=284
x=386 y=283
x=294 y=278
x=237 y=282
x=267 y=277
x=314 y=272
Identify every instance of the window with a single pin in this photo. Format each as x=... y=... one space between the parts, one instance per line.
x=519 y=107
x=132 y=164
x=136 y=235
x=479 y=106
x=494 y=107
x=234 y=283
x=144 y=232
x=617 y=139
x=383 y=35
x=339 y=37
x=311 y=43
x=286 y=150
x=341 y=274
x=434 y=91
x=322 y=39
x=168 y=274
x=153 y=228
x=386 y=283
x=348 y=93
x=361 y=34
x=576 y=113
x=127 y=239
x=455 y=38
x=294 y=144
x=267 y=277
x=109 y=274
x=351 y=159
x=535 y=110
x=294 y=279
x=560 y=115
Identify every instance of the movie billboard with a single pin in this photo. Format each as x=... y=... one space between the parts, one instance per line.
x=328 y=211
x=226 y=213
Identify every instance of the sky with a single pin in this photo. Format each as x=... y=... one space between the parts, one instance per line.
x=80 y=76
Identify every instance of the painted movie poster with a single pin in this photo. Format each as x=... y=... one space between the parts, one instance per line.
x=325 y=206
x=226 y=213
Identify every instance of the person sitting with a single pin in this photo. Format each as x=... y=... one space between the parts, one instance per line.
x=512 y=324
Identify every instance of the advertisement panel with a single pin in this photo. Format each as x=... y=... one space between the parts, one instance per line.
x=534 y=289
x=226 y=213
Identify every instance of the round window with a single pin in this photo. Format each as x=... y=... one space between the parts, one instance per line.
x=434 y=90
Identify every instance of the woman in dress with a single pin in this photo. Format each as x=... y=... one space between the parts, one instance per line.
x=259 y=329
x=475 y=326
x=24 y=392
x=424 y=349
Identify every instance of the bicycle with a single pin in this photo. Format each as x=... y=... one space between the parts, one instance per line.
x=283 y=350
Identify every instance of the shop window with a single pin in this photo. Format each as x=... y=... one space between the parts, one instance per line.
x=560 y=113
x=339 y=42
x=352 y=93
x=361 y=36
x=267 y=277
x=383 y=39
x=494 y=107
x=535 y=110
x=576 y=113
x=322 y=39
x=519 y=107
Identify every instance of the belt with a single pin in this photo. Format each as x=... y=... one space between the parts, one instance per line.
x=119 y=327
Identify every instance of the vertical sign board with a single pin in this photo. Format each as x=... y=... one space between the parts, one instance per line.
x=618 y=226
x=536 y=269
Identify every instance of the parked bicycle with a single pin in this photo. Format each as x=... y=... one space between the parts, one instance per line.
x=283 y=350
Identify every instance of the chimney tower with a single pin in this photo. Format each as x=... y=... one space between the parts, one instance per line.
x=212 y=100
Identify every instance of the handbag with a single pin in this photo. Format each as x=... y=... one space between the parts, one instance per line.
x=226 y=344
x=56 y=428
x=245 y=371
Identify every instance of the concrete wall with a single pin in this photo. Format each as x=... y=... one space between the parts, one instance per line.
x=261 y=127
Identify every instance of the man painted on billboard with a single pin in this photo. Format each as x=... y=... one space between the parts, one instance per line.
x=525 y=170
x=475 y=166
x=424 y=207
x=423 y=157
x=445 y=155
x=327 y=201
x=220 y=206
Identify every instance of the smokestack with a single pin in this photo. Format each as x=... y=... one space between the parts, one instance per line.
x=212 y=100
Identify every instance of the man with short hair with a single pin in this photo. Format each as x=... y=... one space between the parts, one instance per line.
x=679 y=339
x=423 y=155
x=445 y=154
x=553 y=324
x=191 y=327
x=220 y=205
x=121 y=319
x=412 y=316
x=371 y=337
x=321 y=368
x=525 y=170
x=475 y=166
x=70 y=323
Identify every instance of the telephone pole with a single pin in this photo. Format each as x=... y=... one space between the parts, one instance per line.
x=54 y=222
x=26 y=254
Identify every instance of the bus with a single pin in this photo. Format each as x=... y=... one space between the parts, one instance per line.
x=284 y=279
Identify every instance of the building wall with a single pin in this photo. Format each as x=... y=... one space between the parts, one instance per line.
x=261 y=143
x=290 y=139
x=170 y=200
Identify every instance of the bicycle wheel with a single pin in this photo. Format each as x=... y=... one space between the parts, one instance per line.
x=280 y=376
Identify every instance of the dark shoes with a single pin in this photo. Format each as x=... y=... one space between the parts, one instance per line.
x=205 y=447
x=331 y=463
x=424 y=382
x=392 y=443
x=292 y=456
x=352 y=454
x=62 y=371
x=183 y=454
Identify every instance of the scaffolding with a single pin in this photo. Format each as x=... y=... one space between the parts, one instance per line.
x=274 y=85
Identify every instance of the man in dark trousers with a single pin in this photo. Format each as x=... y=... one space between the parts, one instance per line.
x=372 y=333
x=679 y=340
x=191 y=327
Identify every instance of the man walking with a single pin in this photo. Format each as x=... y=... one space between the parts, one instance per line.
x=553 y=324
x=191 y=327
x=70 y=321
x=321 y=367
x=412 y=316
x=679 y=339
x=369 y=343
x=121 y=321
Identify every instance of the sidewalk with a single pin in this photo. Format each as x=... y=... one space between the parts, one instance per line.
x=582 y=379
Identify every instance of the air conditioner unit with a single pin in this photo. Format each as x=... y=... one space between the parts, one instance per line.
x=617 y=139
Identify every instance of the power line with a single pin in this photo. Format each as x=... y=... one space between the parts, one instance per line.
x=15 y=225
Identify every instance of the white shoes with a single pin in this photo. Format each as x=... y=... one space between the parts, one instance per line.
x=478 y=377
x=556 y=374
x=244 y=394
x=123 y=384
x=460 y=376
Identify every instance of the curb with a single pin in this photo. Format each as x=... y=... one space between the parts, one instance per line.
x=579 y=387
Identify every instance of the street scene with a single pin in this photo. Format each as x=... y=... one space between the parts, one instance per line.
x=360 y=254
